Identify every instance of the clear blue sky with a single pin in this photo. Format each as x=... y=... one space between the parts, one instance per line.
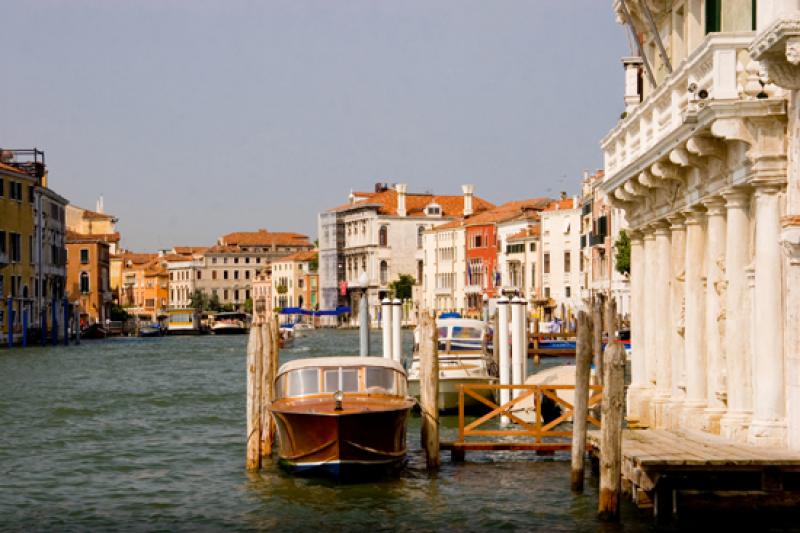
x=196 y=118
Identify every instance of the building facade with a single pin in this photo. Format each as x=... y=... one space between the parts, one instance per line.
x=382 y=236
x=703 y=165
x=88 y=270
x=560 y=262
x=296 y=282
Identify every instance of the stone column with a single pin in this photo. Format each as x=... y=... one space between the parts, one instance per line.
x=695 y=346
x=791 y=332
x=650 y=267
x=768 y=426
x=738 y=318
x=715 y=314
x=676 y=321
x=661 y=322
x=638 y=388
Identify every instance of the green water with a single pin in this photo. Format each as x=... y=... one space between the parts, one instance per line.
x=148 y=434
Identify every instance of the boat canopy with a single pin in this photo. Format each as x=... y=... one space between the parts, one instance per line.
x=339 y=361
x=342 y=309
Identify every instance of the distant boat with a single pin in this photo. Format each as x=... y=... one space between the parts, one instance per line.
x=183 y=322
x=93 y=331
x=230 y=323
x=151 y=329
x=342 y=416
x=463 y=359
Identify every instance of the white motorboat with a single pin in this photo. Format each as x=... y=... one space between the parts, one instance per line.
x=230 y=323
x=463 y=359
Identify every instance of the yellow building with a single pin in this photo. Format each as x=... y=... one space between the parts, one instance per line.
x=17 y=269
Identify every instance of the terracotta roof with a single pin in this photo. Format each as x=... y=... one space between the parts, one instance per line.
x=516 y=210
x=189 y=250
x=306 y=255
x=556 y=205
x=94 y=215
x=220 y=249
x=530 y=231
x=386 y=202
x=175 y=258
x=15 y=170
x=155 y=268
x=137 y=258
x=263 y=237
x=449 y=225
x=92 y=237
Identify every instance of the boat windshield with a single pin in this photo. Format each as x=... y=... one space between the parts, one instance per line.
x=369 y=380
x=460 y=338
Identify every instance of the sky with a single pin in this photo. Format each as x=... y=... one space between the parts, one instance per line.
x=196 y=118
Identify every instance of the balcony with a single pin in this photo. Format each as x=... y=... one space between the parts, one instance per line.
x=719 y=70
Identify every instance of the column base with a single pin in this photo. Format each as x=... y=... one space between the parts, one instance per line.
x=659 y=418
x=692 y=416
x=638 y=406
x=674 y=409
x=735 y=426
x=711 y=419
x=767 y=433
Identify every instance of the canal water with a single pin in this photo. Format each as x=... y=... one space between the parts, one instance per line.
x=148 y=434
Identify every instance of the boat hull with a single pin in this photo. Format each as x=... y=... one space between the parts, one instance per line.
x=187 y=331
x=230 y=330
x=448 y=392
x=359 y=442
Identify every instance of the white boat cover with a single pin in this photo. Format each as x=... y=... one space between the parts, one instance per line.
x=340 y=360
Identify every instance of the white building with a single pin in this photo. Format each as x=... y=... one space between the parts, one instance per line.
x=560 y=262
x=381 y=234
x=182 y=271
x=444 y=267
x=701 y=165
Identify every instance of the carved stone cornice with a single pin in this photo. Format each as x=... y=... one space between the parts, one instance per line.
x=706 y=146
x=778 y=50
x=636 y=189
x=667 y=171
x=648 y=180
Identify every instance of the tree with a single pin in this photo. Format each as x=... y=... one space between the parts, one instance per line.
x=623 y=253
x=213 y=303
x=401 y=287
x=313 y=265
x=248 y=306
x=198 y=300
x=282 y=288
x=118 y=313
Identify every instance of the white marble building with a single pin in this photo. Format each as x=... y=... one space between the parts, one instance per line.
x=444 y=276
x=705 y=164
x=560 y=262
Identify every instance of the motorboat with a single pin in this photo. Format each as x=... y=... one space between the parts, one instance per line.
x=342 y=416
x=183 y=322
x=150 y=329
x=287 y=335
x=230 y=323
x=463 y=359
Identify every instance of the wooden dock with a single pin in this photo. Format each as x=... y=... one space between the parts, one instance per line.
x=659 y=465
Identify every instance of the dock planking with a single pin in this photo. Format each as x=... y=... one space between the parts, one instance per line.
x=657 y=464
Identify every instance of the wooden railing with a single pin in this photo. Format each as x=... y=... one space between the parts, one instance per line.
x=534 y=432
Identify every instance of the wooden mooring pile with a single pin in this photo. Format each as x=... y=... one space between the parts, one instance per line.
x=262 y=365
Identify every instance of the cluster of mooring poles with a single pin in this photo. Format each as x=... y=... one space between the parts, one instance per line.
x=391 y=319
x=262 y=365
x=512 y=358
x=612 y=376
x=25 y=322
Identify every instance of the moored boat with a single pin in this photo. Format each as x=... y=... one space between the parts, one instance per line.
x=183 y=322
x=341 y=416
x=463 y=359
x=151 y=329
x=230 y=323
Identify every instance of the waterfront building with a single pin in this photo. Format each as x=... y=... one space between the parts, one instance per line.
x=601 y=224
x=700 y=162
x=381 y=234
x=50 y=253
x=132 y=288
x=182 y=269
x=227 y=269
x=444 y=268
x=97 y=223
x=296 y=282
x=560 y=262
x=155 y=295
x=88 y=268
x=523 y=259
x=261 y=290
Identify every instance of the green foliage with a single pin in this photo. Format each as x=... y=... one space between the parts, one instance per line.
x=401 y=287
x=119 y=313
x=198 y=300
x=313 y=265
x=213 y=303
x=622 y=258
x=282 y=288
x=248 y=306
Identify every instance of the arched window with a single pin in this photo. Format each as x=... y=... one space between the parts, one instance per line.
x=384 y=272
x=84 y=282
x=383 y=236
x=420 y=231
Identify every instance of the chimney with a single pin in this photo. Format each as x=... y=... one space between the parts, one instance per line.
x=401 y=189
x=468 y=190
x=99 y=206
x=563 y=195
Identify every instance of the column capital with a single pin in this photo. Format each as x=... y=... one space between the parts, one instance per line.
x=636 y=235
x=737 y=197
x=790 y=238
x=677 y=222
x=715 y=205
x=661 y=227
x=694 y=215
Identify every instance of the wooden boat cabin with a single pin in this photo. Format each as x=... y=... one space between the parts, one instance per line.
x=343 y=416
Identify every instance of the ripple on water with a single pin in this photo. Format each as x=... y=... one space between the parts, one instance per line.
x=149 y=434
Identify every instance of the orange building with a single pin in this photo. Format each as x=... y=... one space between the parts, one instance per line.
x=88 y=275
